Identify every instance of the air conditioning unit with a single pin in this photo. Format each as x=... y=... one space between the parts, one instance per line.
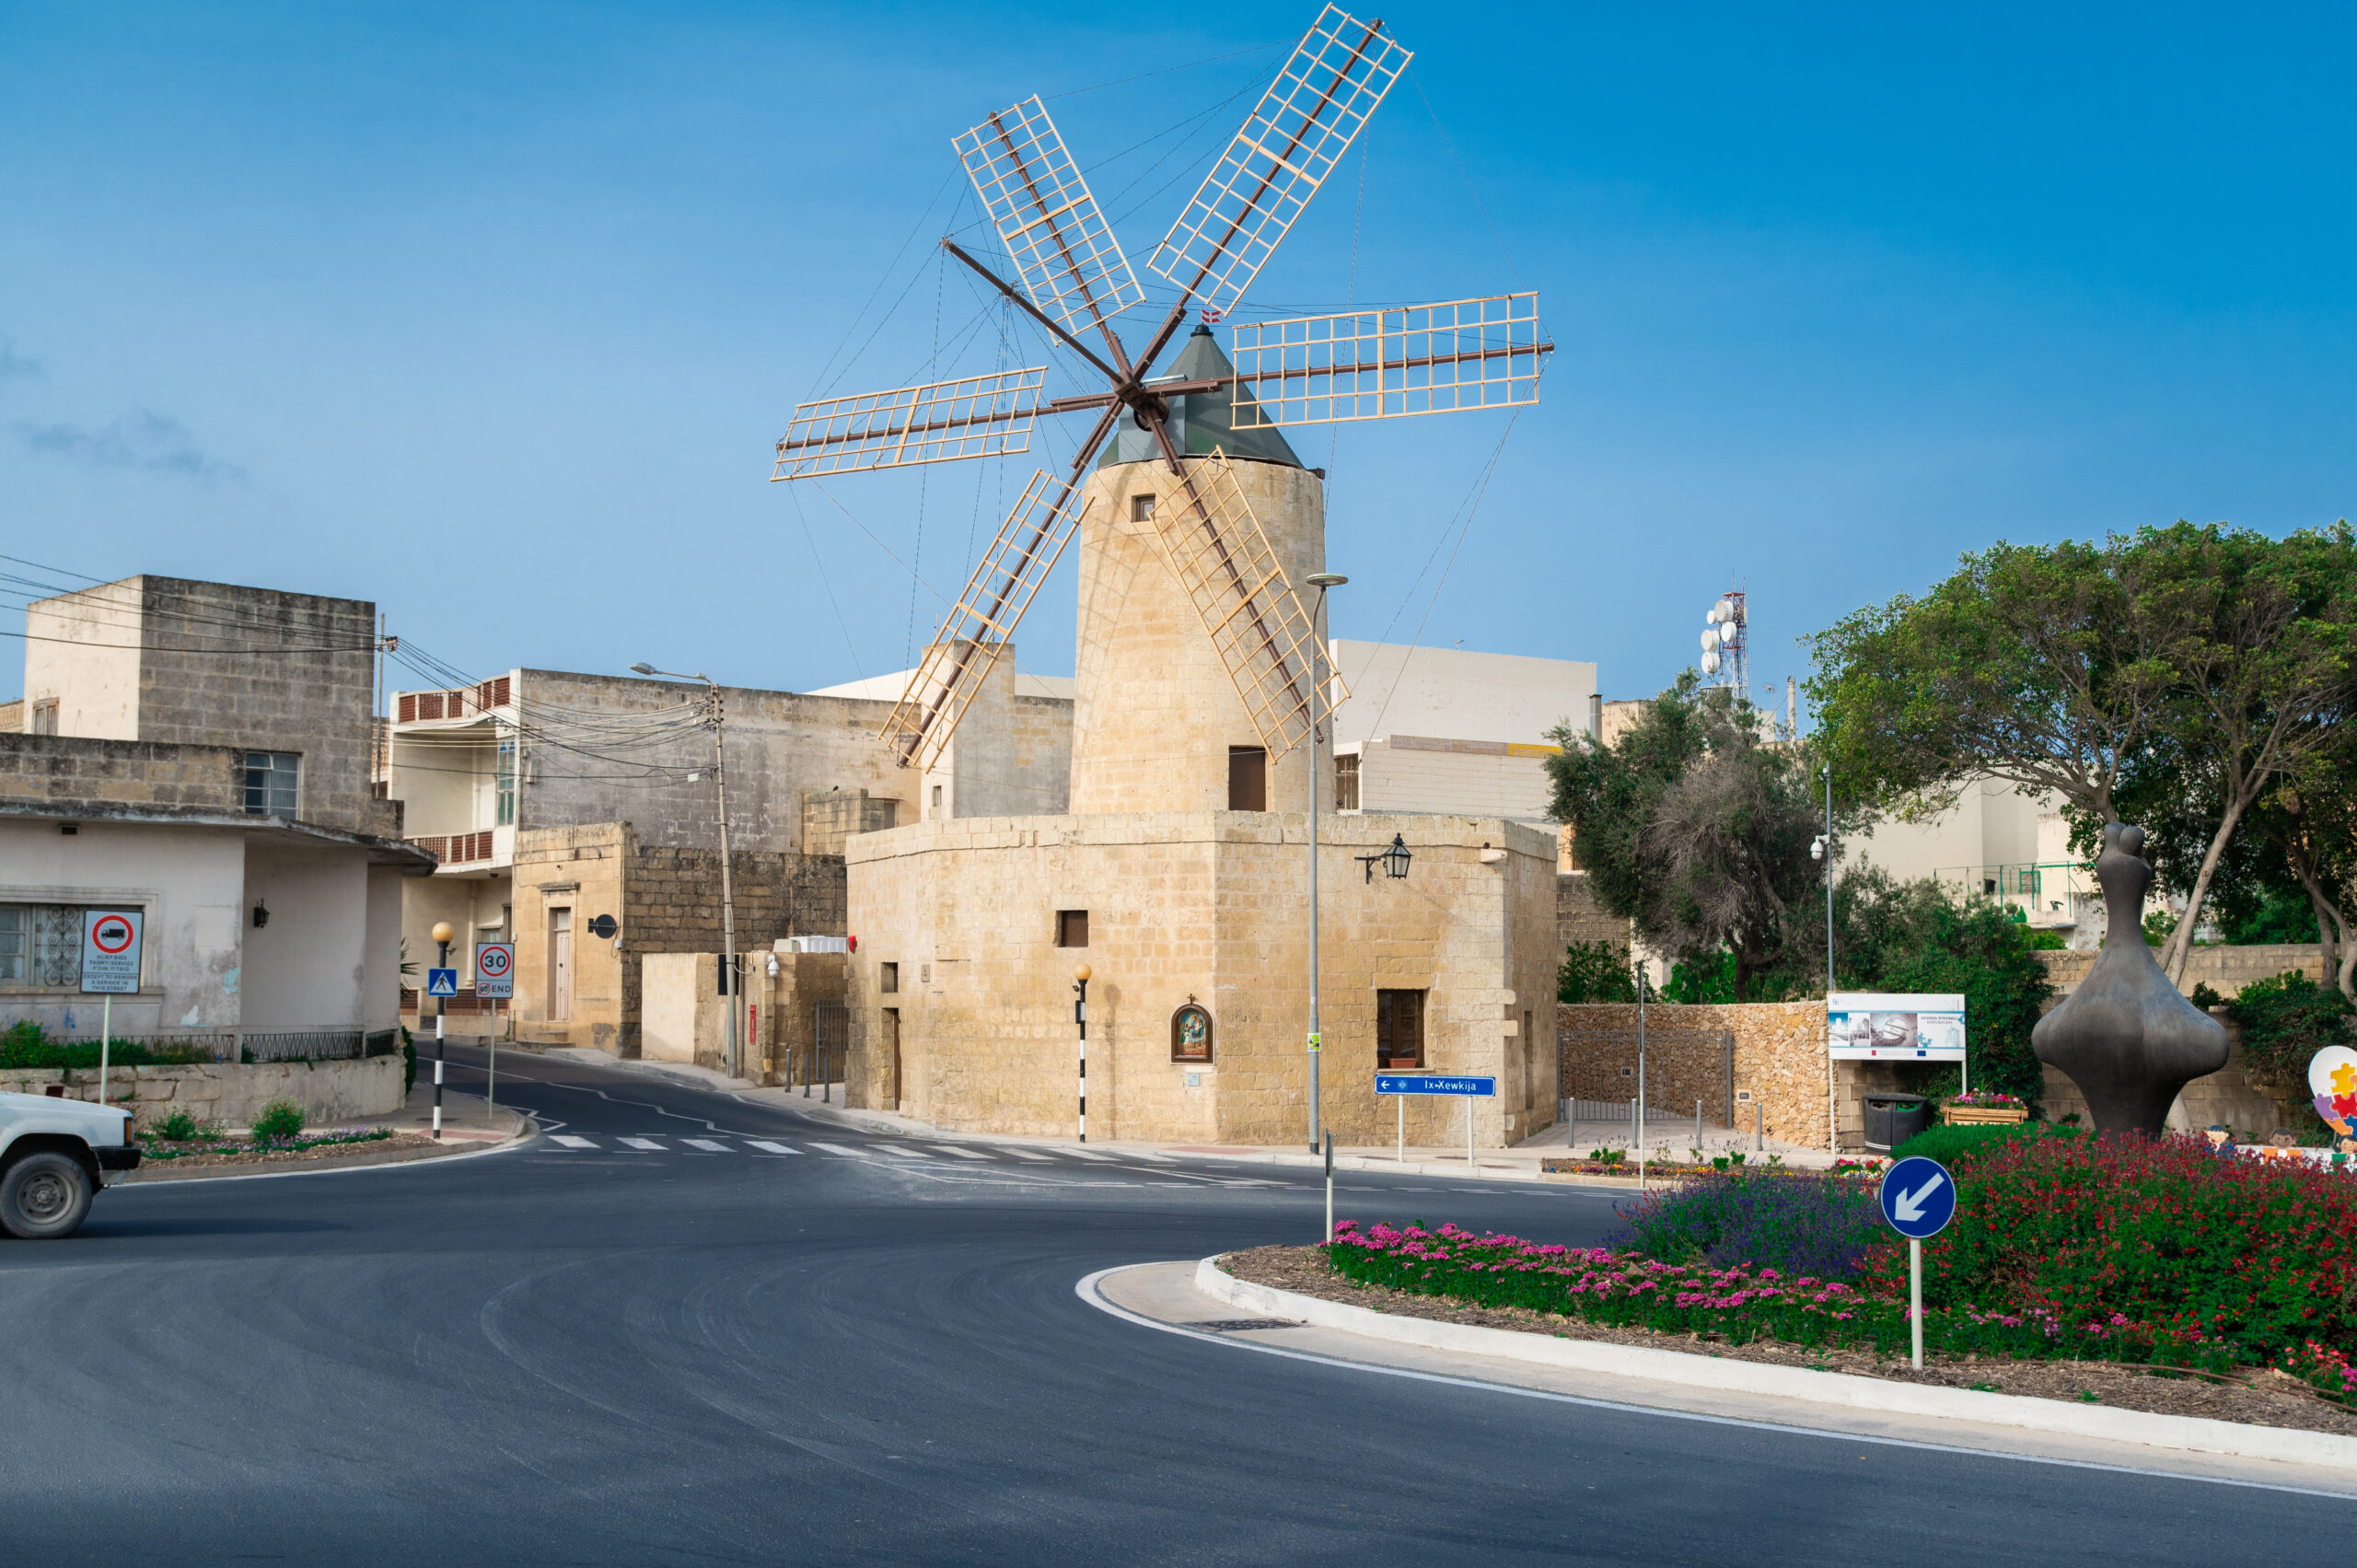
x=813 y=944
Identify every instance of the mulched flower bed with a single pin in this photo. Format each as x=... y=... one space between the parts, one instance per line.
x=180 y=1154
x=2255 y=1398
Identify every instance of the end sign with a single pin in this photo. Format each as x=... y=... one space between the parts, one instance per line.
x=495 y=970
x=111 y=951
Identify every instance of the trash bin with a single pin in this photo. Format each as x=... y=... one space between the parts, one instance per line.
x=1893 y=1119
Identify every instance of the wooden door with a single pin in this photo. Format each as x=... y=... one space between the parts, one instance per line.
x=560 y=964
x=892 y=1057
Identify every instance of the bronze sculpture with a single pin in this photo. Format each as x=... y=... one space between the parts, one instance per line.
x=2126 y=1036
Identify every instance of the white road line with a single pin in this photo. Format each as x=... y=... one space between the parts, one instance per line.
x=570 y=1141
x=1027 y=1155
x=1085 y=1154
x=643 y=1143
x=1143 y=1154
x=895 y=1149
x=839 y=1149
x=961 y=1154
x=769 y=1149
x=708 y=1146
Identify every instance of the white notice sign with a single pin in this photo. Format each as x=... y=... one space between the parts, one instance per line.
x=111 y=951
x=495 y=971
x=1874 y=1027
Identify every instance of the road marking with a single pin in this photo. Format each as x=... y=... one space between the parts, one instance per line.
x=961 y=1154
x=769 y=1149
x=1143 y=1154
x=839 y=1149
x=643 y=1143
x=708 y=1146
x=895 y=1149
x=1085 y=1154
x=570 y=1141
x=1026 y=1154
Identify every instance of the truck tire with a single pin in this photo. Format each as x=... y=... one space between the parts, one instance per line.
x=44 y=1196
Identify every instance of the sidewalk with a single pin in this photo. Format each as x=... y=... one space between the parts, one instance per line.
x=1522 y=1162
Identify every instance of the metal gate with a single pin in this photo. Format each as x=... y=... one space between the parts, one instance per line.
x=830 y=1036
x=1682 y=1065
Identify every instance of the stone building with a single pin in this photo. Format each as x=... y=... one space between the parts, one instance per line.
x=1177 y=875
x=198 y=753
x=552 y=799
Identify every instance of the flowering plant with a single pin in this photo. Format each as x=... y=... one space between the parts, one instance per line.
x=1988 y=1099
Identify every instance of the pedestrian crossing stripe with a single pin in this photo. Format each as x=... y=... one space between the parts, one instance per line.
x=1085 y=1154
x=839 y=1149
x=895 y=1149
x=961 y=1154
x=570 y=1141
x=707 y=1145
x=643 y=1143
x=769 y=1149
x=1025 y=1155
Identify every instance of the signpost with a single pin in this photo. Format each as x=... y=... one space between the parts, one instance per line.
x=1434 y=1083
x=1918 y=1200
x=441 y=983
x=494 y=981
x=110 y=941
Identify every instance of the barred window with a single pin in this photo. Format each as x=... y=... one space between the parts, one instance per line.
x=507 y=783
x=41 y=944
x=270 y=778
x=1346 y=781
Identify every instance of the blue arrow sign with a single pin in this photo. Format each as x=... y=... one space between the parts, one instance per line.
x=1433 y=1084
x=1918 y=1197
x=441 y=983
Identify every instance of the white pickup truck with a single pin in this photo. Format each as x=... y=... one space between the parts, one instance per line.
x=54 y=1154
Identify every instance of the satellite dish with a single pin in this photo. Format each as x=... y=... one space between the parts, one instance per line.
x=1727 y=633
x=1711 y=662
x=1713 y=618
x=1710 y=639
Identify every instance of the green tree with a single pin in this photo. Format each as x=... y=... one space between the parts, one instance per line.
x=1694 y=828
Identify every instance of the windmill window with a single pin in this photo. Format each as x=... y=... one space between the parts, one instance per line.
x=1248 y=778
x=1346 y=783
x=1140 y=509
x=936 y=797
x=888 y=978
x=1399 y=1029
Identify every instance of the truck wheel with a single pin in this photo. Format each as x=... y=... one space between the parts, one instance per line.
x=43 y=1197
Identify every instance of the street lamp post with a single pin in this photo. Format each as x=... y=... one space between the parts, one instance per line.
x=1321 y=580
x=1080 y=1016
x=714 y=717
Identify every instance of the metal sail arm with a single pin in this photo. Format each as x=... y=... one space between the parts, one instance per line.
x=1335 y=78
x=1453 y=357
x=977 y=628
x=1062 y=246
x=938 y=422
x=1063 y=337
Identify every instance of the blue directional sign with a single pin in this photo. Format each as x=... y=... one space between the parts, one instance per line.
x=441 y=983
x=1918 y=1197
x=1433 y=1084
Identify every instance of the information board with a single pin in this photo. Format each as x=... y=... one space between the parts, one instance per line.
x=111 y=951
x=1876 y=1026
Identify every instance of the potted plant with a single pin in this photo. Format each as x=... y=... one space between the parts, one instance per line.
x=1983 y=1106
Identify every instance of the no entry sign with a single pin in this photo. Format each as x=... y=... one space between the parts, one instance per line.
x=111 y=951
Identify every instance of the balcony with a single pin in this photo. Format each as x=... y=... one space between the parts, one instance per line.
x=465 y=702
x=454 y=850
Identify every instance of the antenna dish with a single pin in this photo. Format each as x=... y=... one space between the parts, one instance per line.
x=1728 y=631
x=1711 y=662
x=1709 y=638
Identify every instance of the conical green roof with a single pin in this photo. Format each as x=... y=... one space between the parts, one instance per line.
x=1202 y=421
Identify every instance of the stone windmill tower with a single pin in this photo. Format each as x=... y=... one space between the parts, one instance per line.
x=1197 y=667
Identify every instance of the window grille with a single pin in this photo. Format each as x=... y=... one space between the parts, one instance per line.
x=41 y=944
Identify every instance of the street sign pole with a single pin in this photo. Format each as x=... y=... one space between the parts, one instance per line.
x=1915 y=1296
x=1918 y=1200
x=495 y=983
x=111 y=940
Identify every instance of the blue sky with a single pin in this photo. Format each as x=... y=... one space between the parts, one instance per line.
x=491 y=314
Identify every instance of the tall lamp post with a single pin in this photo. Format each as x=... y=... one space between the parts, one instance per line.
x=714 y=717
x=443 y=932
x=1321 y=580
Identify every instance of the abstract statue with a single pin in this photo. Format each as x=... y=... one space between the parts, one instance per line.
x=2125 y=1036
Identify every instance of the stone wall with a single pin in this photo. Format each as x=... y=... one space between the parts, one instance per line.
x=1579 y=918
x=229 y=1094
x=1207 y=907
x=686 y=1018
x=2224 y=970
x=69 y=770
x=1779 y=1061
x=831 y=815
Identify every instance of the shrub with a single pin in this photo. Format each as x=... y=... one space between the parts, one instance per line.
x=178 y=1127
x=26 y=1044
x=1796 y=1222
x=1594 y=971
x=1955 y=1146
x=280 y=1119
x=409 y=1060
x=2286 y=1020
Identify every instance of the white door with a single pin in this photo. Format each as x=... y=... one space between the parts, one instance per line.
x=560 y=964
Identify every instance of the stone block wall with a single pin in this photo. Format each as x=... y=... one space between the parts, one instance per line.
x=229 y=1094
x=1780 y=1059
x=2224 y=970
x=1579 y=918
x=69 y=770
x=831 y=816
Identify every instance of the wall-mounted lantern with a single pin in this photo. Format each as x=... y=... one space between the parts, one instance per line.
x=1394 y=860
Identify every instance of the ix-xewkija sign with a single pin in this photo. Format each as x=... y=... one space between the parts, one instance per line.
x=1875 y=1026
x=111 y=951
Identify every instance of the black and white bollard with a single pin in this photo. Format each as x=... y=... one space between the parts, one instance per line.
x=1329 y=1188
x=1080 y=1016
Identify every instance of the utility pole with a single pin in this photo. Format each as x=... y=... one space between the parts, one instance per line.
x=730 y=981
x=1321 y=580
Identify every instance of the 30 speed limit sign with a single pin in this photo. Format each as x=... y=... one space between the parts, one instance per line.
x=495 y=970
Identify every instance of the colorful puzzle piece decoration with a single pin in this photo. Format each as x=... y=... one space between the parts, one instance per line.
x=2332 y=1080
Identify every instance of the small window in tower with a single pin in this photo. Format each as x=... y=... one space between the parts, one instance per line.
x=1140 y=509
x=888 y=978
x=44 y=716
x=1248 y=778
x=1072 y=928
x=1399 y=1030
x=1346 y=783
x=936 y=797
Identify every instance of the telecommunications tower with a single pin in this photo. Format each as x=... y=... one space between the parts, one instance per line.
x=1726 y=659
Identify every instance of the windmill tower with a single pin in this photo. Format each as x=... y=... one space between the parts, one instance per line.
x=1211 y=537
x=1196 y=663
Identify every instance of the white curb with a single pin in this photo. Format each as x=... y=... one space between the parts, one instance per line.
x=2196 y=1435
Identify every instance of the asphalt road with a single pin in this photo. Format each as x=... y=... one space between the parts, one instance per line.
x=594 y=1352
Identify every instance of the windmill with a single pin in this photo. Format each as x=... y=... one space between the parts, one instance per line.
x=1456 y=356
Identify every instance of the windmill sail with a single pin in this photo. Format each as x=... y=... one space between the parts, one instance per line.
x=1238 y=586
x=1453 y=357
x=940 y=421
x=961 y=657
x=1288 y=145
x=1062 y=247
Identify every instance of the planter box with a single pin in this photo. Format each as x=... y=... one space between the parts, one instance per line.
x=1974 y=1115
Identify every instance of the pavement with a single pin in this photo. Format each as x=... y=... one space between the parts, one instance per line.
x=711 y=1327
x=471 y=1124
